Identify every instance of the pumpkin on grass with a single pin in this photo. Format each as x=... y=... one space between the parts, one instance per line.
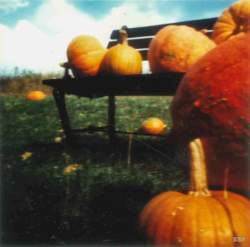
x=153 y=126
x=200 y=218
x=176 y=48
x=233 y=21
x=212 y=101
x=122 y=59
x=70 y=169
x=35 y=95
x=85 y=54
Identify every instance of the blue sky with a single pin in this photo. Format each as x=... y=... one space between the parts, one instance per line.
x=34 y=34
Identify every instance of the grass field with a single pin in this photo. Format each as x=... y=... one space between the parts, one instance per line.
x=100 y=201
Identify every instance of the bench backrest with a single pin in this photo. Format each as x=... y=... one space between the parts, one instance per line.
x=140 y=37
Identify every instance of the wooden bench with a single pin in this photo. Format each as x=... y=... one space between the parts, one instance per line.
x=112 y=86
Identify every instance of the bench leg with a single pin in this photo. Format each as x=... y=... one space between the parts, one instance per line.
x=62 y=110
x=111 y=118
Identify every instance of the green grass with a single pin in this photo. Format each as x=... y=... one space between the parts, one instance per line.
x=99 y=202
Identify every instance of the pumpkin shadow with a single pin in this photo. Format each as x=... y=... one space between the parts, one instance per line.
x=99 y=147
x=114 y=212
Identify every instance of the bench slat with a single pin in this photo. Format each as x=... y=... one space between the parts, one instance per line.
x=151 y=30
x=136 y=43
x=97 y=86
x=142 y=42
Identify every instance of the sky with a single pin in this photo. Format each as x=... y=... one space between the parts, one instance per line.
x=34 y=34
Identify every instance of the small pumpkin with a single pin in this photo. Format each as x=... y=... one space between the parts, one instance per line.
x=176 y=48
x=234 y=20
x=85 y=54
x=35 y=95
x=70 y=169
x=153 y=126
x=212 y=101
x=200 y=218
x=122 y=59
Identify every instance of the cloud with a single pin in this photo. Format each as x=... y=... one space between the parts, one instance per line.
x=12 y=5
x=59 y=16
x=66 y=20
x=26 y=46
x=41 y=44
x=139 y=13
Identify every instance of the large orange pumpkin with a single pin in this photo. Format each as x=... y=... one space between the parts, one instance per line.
x=122 y=59
x=200 y=218
x=176 y=48
x=221 y=154
x=234 y=20
x=153 y=126
x=212 y=101
x=85 y=54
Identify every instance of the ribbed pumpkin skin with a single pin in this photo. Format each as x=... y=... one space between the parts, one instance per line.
x=212 y=101
x=153 y=126
x=234 y=20
x=174 y=219
x=85 y=54
x=121 y=59
x=35 y=95
x=176 y=48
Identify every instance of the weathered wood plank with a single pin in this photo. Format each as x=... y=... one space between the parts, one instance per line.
x=96 y=86
x=136 y=43
x=151 y=30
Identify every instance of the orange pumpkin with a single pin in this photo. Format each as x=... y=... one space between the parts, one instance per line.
x=70 y=169
x=200 y=218
x=212 y=101
x=176 y=48
x=85 y=54
x=153 y=126
x=221 y=154
x=35 y=95
x=234 y=20
x=122 y=59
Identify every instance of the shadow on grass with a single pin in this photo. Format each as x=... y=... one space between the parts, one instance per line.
x=99 y=203
x=100 y=147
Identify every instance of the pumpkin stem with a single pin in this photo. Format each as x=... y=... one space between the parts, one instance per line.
x=225 y=193
x=198 y=176
x=130 y=138
x=123 y=37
